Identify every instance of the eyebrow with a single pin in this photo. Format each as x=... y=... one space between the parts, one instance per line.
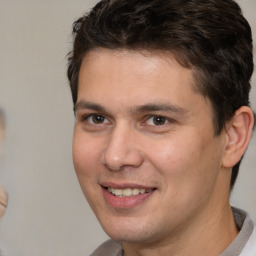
x=89 y=105
x=150 y=107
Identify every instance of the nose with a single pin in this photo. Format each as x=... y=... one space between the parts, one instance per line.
x=122 y=149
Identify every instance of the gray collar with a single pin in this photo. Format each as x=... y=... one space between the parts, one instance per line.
x=245 y=226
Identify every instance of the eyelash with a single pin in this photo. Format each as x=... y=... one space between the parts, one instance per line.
x=85 y=118
x=160 y=118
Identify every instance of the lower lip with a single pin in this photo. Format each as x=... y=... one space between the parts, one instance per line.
x=125 y=202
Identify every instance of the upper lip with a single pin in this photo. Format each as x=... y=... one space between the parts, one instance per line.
x=125 y=185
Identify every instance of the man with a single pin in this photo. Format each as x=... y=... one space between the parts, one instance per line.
x=160 y=91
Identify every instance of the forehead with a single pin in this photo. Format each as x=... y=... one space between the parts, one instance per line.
x=127 y=64
x=136 y=77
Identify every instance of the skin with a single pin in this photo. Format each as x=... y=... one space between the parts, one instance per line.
x=119 y=141
x=3 y=201
x=3 y=194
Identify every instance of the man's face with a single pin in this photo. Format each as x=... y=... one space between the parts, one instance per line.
x=144 y=147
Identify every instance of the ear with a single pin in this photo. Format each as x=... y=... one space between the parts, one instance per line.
x=238 y=132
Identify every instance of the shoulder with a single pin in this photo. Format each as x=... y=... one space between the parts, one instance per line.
x=109 y=248
x=245 y=242
x=250 y=247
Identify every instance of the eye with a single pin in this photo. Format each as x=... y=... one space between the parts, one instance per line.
x=95 y=119
x=157 y=120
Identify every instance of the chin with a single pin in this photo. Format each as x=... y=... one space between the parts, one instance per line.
x=126 y=231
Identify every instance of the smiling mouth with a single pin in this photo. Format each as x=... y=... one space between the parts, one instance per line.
x=127 y=192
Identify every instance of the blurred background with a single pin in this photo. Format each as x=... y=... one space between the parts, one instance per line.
x=47 y=213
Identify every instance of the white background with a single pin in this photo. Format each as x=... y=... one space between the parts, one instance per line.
x=47 y=213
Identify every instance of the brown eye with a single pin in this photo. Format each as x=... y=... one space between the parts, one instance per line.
x=159 y=120
x=95 y=119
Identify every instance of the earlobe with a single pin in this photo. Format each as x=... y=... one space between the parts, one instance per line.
x=238 y=133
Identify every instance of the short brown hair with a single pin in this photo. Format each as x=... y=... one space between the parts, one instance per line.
x=210 y=36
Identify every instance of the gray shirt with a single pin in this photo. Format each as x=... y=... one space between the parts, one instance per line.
x=243 y=245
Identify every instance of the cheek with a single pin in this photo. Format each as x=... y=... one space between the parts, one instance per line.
x=182 y=165
x=183 y=173
x=85 y=159
x=173 y=157
x=85 y=156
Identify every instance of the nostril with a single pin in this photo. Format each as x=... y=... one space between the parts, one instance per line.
x=130 y=159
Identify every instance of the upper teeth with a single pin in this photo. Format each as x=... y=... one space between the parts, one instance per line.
x=127 y=191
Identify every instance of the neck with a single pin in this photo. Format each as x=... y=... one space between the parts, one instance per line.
x=206 y=236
